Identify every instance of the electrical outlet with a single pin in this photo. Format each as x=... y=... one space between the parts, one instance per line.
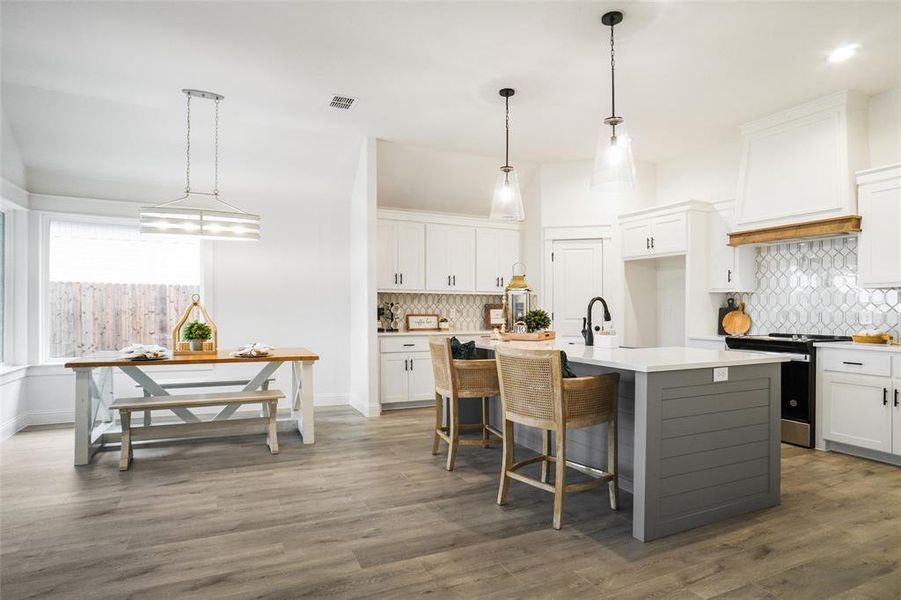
x=865 y=317
x=720 y=374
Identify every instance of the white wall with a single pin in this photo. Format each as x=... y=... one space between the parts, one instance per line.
x=13 y=169
x=362 y=348
x=885 y=128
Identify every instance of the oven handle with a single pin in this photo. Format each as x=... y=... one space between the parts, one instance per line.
x=794 y=357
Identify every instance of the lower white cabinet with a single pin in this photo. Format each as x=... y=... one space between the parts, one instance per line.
x=858 y=410
x=406 y=377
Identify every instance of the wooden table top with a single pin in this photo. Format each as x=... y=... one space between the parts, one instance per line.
x=114 y=359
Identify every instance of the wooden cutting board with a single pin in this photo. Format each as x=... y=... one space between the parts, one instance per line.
x=737 y=322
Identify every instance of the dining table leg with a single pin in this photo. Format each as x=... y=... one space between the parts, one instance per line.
x=83 y=424
x=302 y=399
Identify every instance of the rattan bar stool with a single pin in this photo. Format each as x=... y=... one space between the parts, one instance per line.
x=534 y=393
x=456 y=379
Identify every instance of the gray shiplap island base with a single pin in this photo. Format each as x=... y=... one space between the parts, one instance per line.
x=692 y=451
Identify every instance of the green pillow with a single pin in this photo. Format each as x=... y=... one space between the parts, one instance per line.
x=465 y=351
x=564 y=365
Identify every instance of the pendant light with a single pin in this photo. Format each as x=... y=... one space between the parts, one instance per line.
x=506 y=205
x=614 y=166
x=231 y=224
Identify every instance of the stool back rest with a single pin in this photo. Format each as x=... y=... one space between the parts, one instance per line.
x=475 y=378
x=531 y=385
x=440 y=348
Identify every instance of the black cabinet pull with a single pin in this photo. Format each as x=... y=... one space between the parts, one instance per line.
x=728 y=276
x=411 y=364
x=405 y=364
x=856 y=364
x=448 y=280
x=408 y=345
x=652 y=242
x=502 y=282
x=647 y=243
x=395 y=279
x=896 y=397
x=884 y=396
x=455 y=279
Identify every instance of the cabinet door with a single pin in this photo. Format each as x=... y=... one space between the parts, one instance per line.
x=488 y=267
x=461 y=251
x=668 y=234
x=437 y=257
x=411 y=255
x=879 y=246
x=507 y=255
x=857 y=411
x=422 y=379
x=896 y=416
x=394 y=378
x=636 y=239
x=722 y=255
x=386 y=255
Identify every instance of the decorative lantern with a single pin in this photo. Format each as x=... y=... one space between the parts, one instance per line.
x=209 y=346
x=518 y=298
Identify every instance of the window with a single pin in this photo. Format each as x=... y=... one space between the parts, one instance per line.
x=108 y=286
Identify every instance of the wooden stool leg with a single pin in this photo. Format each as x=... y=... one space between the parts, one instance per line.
x=546 y=451
x=560 y=478
x=484 y=422
x=454 y=434
x=439 y=421
x=506 y=462
x=612 y=460
x=272 y=438
x=125 y=456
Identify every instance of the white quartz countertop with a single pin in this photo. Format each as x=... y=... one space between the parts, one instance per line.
x=648 y=360
x=853 y=346
x=442 y=332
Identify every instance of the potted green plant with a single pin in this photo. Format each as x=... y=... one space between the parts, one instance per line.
x=197 y=332
x=537 y=320
x=443 y=323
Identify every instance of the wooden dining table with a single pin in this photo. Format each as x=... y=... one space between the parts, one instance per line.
x=95 y=423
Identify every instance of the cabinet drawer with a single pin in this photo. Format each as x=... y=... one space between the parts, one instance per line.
x=404 y=343
x=861 y=362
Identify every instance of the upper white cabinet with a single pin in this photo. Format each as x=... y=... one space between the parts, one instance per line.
x=450 y=258
x=401 y=255
x=496 y=251
x=655 y=233
x=798 y=165
x=731 y=269
x=879 y=248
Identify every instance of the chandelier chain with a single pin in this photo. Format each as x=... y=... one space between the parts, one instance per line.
x=216 y=154
x=188 y=151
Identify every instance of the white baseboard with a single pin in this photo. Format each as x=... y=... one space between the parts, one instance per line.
x=51 y=417
x=13 y=425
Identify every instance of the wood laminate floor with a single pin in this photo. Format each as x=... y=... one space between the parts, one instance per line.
x=368 y=512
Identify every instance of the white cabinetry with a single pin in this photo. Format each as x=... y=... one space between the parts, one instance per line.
x=400 y=258
x=879 y=247
x=860 y=399
x=450 y=258
x=798 y=165
x=653 y=234
x=405 y=372
x=731 y=269
x=496 y=251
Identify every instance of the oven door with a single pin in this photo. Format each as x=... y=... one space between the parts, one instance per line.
x=796 y=409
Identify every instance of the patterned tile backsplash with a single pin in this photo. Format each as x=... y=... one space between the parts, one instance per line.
x=811 y=287
x=465 y=311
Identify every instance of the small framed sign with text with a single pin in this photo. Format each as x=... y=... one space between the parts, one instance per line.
x=422 y=323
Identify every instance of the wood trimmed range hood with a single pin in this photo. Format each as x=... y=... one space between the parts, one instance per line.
x=797 y=231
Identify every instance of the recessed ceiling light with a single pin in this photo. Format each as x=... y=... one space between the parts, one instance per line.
x=843 y=53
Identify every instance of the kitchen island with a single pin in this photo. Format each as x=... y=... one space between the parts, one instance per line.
x=699 y=431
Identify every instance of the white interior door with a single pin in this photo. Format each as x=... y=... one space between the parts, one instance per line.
x=578 y=277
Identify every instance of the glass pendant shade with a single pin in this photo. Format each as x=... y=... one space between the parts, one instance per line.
x=614 y=166
x=506 y=205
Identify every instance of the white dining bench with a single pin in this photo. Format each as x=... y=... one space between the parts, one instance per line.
x=184 y=384
x=266 y=424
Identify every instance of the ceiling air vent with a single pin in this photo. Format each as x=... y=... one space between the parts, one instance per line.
x=342 y=102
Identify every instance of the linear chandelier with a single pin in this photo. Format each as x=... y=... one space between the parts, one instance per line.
x=231 y=224
x=614 y=165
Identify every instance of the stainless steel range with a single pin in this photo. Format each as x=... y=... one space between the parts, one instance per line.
x=798 y=378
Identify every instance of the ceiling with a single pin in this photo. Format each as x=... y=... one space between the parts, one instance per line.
x=91 y=90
